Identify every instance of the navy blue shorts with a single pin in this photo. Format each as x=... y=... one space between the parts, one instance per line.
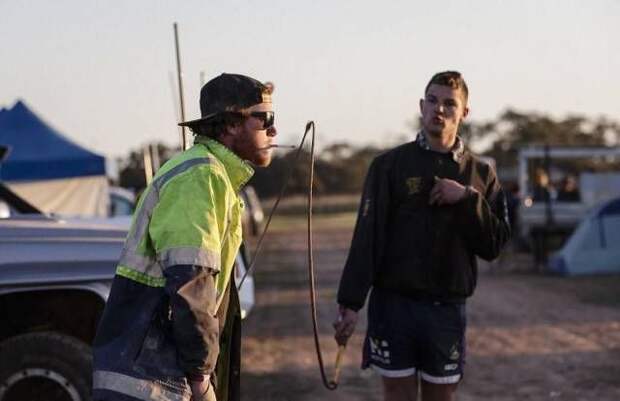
x=407 y=337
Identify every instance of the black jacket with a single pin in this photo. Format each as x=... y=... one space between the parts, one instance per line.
x=403 y=244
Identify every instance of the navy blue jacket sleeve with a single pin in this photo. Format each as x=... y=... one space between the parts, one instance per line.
x=486 y=218
x=365 y=252
x=192 y=294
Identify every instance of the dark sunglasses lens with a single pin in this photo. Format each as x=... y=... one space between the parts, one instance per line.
x=269 y=119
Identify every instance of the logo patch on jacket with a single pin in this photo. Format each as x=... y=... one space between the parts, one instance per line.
x=414 y=185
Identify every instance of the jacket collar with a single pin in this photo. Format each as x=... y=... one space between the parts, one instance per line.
x=457 y=151
x=239 y=171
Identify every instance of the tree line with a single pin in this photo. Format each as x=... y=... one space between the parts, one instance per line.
x=340 y=168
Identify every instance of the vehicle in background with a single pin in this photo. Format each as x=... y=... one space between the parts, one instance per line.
x=253 y=215
x=547 y=213
x=55 y=277
x=122 y=202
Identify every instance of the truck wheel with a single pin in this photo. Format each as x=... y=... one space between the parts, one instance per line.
x=45 y=367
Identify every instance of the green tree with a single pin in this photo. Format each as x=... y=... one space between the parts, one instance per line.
x=513 y=130
x=131 y=169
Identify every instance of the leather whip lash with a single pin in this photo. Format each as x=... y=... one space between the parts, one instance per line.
x=332 y=384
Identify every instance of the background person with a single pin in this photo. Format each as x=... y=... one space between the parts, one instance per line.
x=569 y=190
x=542 y=190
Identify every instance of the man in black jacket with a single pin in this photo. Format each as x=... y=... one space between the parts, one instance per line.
x=428 y=209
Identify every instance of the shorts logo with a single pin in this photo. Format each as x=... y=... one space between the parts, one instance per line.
x=414 y=185
x=451 y=366
x=379 y=350
x=454 y=353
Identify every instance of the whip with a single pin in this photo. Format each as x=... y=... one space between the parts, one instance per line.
x=333 y=384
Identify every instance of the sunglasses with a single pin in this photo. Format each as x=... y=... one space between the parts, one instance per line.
x=267 y=117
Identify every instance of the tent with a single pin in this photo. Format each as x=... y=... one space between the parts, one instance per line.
x=594 y=247
x=51 y=172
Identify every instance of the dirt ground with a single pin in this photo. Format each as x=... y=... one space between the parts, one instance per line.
x=530 y=336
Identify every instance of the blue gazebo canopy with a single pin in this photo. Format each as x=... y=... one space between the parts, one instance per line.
x=39 y=152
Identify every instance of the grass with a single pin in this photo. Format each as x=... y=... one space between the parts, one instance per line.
x=340 y=211
x=328 y=212
x=322 y=204
x=290 y=222
x=601 y=289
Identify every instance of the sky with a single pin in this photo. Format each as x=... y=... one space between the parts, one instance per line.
x=104 y=72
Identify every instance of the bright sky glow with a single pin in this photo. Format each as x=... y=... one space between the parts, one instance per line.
x=103 y=72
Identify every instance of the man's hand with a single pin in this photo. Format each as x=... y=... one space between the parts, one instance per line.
x=447 y=192
x=345 y=325
x=201 y=390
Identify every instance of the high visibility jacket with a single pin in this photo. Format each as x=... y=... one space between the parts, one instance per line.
x=173 y=287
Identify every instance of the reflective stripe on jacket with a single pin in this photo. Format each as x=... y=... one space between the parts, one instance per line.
x=160 y=320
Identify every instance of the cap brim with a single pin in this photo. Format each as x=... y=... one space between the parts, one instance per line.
x=192 y=123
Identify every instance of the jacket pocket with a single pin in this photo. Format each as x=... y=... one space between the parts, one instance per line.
x=157 y=356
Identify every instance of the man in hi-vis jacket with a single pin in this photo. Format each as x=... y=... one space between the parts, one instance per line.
x=428 y=209
x=171 y=326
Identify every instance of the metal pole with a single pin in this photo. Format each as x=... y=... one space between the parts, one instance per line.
x=148 y=164
x=548 y=228
x=156 y=163
x=548 y=208
x=180 y=80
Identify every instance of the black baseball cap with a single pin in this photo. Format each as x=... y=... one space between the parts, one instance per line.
x=227 y=93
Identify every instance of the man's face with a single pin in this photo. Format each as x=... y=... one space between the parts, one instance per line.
x=252 y=140
x=443 y=109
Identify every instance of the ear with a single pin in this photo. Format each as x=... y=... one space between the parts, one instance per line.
x=421 y=103
x=229 y=134
x=232 y=130
x=465 y=112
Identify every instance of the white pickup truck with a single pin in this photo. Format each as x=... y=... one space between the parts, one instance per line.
x=55 y=276
x=549 y=217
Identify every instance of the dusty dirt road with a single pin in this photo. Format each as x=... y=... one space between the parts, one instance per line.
x=530 y=336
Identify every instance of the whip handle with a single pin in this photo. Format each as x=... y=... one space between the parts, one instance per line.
x=339 y=355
